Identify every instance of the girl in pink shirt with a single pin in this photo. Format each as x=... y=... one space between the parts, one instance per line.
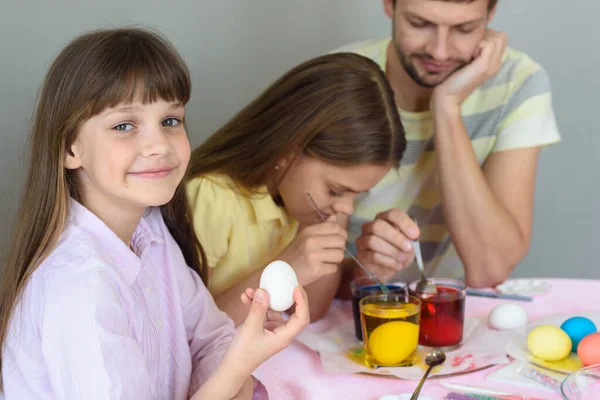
x=102 y=295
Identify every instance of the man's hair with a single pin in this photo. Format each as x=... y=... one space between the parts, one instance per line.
x=491 y=4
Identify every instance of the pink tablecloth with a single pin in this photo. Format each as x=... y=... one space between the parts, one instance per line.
x=296 y=372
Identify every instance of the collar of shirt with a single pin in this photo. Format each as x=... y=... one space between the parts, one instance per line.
x=265 y=209
x=124 y=257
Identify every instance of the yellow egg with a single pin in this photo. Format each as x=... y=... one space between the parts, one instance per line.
x=549 y=343
x=392 y=342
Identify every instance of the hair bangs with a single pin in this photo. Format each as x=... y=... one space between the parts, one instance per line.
x=145 y=71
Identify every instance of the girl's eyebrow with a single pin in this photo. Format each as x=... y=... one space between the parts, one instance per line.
x=342 y=187
x=133 y=108
x=122 y=109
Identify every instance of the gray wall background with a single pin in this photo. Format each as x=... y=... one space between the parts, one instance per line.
x=236 y=48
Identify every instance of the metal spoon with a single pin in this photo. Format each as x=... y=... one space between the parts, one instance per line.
x=423 y=286
x=384 y=288
x=434 y=358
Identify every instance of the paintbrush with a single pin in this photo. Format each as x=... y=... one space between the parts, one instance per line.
x=383 y=287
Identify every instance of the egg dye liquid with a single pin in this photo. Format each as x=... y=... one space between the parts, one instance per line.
x=391 y=329
x=364 y=292
x=442 y=318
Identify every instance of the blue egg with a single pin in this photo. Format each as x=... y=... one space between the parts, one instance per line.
x=577 y=328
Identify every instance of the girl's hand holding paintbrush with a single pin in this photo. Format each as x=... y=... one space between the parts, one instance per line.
x=316 y=251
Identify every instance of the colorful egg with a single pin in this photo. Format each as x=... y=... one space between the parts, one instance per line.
x=549 y=343
x=392 y=342
x=577 y=328
x=589 y=349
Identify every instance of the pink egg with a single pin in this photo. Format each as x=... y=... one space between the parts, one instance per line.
x=589 y=349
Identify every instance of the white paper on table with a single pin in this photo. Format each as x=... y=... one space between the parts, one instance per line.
x=519 y=373
x=524 y=287
x=481 y=347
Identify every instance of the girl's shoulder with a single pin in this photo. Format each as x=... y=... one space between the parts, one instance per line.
x=76 y=255
x=213 y=188
x=78 y=272
x=212 y=182
x=87 y=248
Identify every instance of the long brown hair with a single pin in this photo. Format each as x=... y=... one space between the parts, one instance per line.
x=339 y=108
x=97 y=70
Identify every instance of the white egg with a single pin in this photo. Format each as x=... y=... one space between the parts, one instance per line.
x=507 y=316
x=279 y=280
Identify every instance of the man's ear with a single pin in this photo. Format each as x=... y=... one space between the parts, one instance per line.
x=491 y=13
x=388 y=8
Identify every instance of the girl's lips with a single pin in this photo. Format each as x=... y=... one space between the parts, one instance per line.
x=153 y=173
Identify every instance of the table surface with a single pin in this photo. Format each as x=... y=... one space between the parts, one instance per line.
x=296 y=372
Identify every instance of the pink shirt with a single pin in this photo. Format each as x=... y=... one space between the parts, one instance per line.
x=97 y=321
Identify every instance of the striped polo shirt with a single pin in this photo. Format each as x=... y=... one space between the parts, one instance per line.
x=511 y=110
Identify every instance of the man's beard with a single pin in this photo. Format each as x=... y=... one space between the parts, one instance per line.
x=411 y=70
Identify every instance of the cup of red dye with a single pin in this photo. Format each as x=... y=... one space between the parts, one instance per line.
x=442 y=314
x=363 y=287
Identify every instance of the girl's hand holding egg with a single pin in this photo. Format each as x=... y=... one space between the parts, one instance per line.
x=264 y=332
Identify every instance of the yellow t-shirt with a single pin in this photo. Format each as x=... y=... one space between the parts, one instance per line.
x=239 y=233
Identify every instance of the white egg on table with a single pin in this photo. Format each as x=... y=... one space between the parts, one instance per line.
x=507 y=316
x=279 y=280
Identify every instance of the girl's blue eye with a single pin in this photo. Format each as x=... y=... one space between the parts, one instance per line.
x=171 y=122
x=123 y=127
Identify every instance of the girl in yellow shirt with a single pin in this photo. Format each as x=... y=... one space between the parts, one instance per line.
x=328 y=127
